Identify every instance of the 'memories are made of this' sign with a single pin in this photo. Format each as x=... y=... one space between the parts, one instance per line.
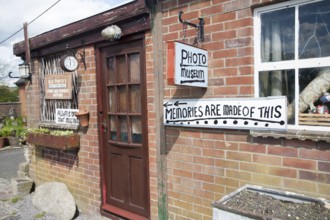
x=241 y=113
x=187 y=65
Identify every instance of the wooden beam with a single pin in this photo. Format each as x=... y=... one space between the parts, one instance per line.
x=70 y=32
x=129 y=28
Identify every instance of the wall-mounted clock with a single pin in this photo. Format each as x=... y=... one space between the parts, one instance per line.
x=69 y=63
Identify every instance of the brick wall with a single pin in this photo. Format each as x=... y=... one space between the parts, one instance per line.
x=78 y=169
x=205 y=164
x=6 y=106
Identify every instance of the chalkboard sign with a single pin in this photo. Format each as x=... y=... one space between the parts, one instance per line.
x=239 y=113
x=58 y=86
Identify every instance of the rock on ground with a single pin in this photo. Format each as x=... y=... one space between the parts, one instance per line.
x=54 y=198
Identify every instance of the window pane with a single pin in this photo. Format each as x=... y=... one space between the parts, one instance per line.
x=279 y=83
x=277 y=35
x=113 y=129
x=123 y=129
x=135 y=99
x=122 y=99
x=134 y=64
x=111 y=72
x=314 y=27
x=314 y=88
x=121 y=69
x=136 y=130
x=112 y=99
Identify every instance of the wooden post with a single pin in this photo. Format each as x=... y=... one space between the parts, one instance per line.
x=26 y=43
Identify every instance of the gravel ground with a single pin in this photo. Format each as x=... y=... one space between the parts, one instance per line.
x=22 y=209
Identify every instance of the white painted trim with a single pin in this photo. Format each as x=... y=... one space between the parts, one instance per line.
x=295 y=64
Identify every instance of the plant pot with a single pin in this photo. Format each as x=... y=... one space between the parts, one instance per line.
x=13 y=141
x=254 y=202
x=83 y=117
x=53 y=141
x=3 y=141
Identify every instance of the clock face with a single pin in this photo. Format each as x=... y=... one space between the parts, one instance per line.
x=69 y=63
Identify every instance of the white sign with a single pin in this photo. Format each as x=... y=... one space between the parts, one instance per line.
x=241 y=113
x=190 y=65
x=66 y=116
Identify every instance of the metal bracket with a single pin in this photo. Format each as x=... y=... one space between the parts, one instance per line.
x=83 y=54
x=199 y=27
x=28 y=77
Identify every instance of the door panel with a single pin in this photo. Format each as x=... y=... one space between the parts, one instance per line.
x=124 y=134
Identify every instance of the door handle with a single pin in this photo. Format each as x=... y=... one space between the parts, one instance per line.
x=104 y=126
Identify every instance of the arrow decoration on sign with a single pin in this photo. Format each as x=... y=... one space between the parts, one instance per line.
x=191 y=81
x=240 y=113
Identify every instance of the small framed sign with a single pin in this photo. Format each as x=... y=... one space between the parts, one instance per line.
x=241 y=113
x=66 y=116
x=187 y=65
x=58 y=86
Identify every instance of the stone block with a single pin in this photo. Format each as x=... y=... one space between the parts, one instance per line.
x=22 y=186
x=22 y=175
x=24 y=167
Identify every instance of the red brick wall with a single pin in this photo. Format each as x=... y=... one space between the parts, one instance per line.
x=205 y=164
x=6 y=106
x=78 y=169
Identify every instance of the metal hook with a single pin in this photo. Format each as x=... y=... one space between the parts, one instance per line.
x=199 y=27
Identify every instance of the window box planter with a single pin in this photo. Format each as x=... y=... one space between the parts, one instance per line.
x=254 y=202
x=53 y=141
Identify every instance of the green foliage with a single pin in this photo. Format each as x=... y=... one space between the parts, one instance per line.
x=40 y=215
x=8 y=94
x=51 y=132
x=39 y=130
x=13 y=127
x=61 y=133
x=6 y=132
x=15 y=199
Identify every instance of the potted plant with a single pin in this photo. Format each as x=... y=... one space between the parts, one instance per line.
x=58 y=139
x=14 y=130
x=3 y=138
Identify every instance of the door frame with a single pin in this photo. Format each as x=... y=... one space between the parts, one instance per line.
x=106 y=209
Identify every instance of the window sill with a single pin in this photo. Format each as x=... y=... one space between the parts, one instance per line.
x=294 y=134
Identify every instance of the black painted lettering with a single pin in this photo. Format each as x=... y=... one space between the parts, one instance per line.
x=278 y=111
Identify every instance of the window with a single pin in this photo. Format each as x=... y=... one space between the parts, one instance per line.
x=292 y=59
x=51 y=66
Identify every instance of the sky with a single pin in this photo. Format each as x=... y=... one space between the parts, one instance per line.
x=13 y=13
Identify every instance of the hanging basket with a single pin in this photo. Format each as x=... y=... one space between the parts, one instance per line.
x=83 y=117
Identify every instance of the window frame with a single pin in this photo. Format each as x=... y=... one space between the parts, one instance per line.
x=294 y=64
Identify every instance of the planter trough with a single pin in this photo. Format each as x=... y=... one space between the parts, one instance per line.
x=254 y=202
x=53 y=141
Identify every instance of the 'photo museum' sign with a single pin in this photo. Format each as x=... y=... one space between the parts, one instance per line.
x=187 y=65
x=242 y=113
x=58 y=86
